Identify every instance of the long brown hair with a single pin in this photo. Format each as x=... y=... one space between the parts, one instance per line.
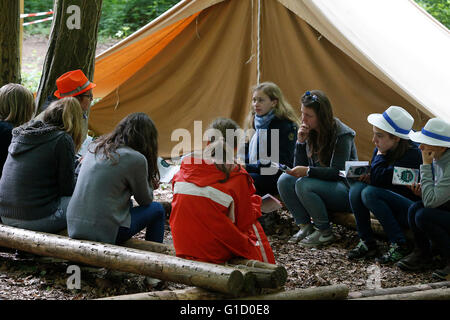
x=68 y=116
x=220 y=153
x=321 y=142
x=138 y=132
x=394 y=154
x=16 y=104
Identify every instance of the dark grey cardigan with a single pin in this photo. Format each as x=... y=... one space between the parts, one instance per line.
x=344 y=150
x=38 y=171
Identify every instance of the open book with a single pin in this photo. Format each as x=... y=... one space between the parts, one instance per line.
x=270 y=203
x=405 y=176
x=355 y=169
x=166 y=170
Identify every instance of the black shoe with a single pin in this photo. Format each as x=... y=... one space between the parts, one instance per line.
x=363 y=250
x=415 y=261
x=442 y=274
x=395 y=253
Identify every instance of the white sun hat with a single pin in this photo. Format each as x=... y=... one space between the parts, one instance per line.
x=435 y=133
x=394 y=120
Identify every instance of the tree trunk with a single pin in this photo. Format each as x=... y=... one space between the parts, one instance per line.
x=205 y=275
x=9 y=42
x=334 y=292
x=397 y=290
x=432 y=294
x=183 y=294
x=72 y=43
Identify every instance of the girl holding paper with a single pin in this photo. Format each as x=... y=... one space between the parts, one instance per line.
x=429 y=219
x=375 y=192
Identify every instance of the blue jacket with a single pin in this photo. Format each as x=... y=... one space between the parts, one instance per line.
x=287 y=135
x=381 y=172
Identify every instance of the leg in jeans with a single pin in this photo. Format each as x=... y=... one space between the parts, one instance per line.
x=151 y=217
x=391 y=210
x=286 y=187
x=318 y=196
x=435 y=224
x=420 y=239
x=265 y=183
x=362 y=214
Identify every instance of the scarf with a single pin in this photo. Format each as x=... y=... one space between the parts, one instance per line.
x=261 y=125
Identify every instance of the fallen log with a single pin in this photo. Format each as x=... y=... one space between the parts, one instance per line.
x=267 y=275
x=333 y=292
x=182 y=294
x=432 y=294
x=347 y=219
x=220 y=278
x=397 y=290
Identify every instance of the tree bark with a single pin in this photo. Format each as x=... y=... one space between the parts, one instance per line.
x=334 y=292
x=398 y=290
x=71 y=45
x=432 y=294
x=205 y=275
x=10 y=42
x=183 y=294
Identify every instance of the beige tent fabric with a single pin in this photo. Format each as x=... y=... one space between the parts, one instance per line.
x=203 y=65
x=201 y=74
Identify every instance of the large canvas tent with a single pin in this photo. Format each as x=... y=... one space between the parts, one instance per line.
x=201 y=58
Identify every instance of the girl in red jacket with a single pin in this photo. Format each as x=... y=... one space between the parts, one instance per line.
x=215 y=208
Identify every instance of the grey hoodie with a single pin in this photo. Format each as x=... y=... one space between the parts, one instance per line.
x=38 y=171
x=344 y=150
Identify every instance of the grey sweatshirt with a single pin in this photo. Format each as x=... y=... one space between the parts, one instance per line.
x=101 y=201
x=38 y=171
x=436 y=192
x=344 y=150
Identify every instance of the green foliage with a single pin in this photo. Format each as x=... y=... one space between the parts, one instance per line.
x=439 y=9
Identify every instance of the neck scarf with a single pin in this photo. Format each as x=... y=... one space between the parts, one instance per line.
x=261 y=125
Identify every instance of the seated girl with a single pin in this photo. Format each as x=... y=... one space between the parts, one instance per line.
x=270 y=113
x=117 y=166
x=215 y=209
x=16 y=107
x=375 y=193
x=429 y=219
x=38 y=175
x=313 y=186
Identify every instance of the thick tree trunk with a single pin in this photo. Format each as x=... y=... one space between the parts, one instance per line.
x=398 y=290
x=334 y=292
x=205 y=275
x=9 y=42
x=72 y=43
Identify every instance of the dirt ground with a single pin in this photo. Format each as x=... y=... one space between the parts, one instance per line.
x=28 y=277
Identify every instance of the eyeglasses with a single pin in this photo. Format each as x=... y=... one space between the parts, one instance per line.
x=89 y=96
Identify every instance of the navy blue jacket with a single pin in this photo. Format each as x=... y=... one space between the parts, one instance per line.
x=381 y=172
x=288 y=137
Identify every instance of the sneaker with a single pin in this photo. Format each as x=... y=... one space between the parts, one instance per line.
x=415 y=261
x=363 y=250
x=305 y=230
x=442 y=274
x=395 y=253
x=318 y=238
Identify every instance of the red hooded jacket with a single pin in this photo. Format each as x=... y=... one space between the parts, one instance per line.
x=212 y=221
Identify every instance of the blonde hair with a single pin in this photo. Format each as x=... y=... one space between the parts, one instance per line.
x=68 y=116
x=16 y=104
x=282 y=110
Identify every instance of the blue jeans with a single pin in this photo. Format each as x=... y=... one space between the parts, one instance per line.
x=308 y=198
x=152 y=217
x=51 y=224
x=430 y=224
x=390 y=209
